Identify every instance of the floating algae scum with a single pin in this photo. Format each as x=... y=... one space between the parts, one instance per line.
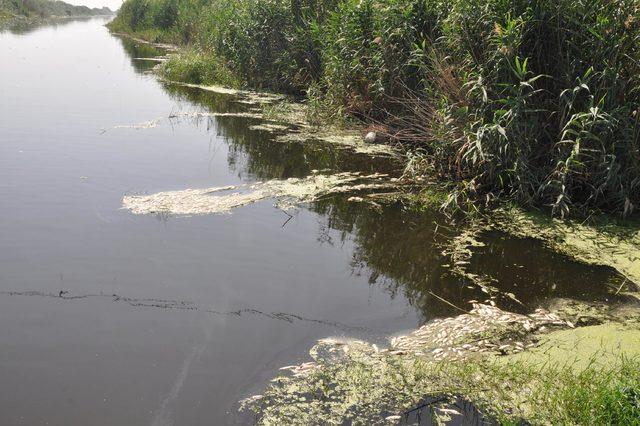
x=351 y=380
x=607 y=244
x=175 y=314
x=287 y=192
x=277 y=116
x=475 y=353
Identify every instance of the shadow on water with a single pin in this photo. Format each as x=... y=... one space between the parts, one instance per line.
x=255 y=154
x=112 y=318
x=397 y=248
x=138 y=51
x=401 y=250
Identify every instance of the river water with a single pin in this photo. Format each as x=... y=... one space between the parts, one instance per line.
x=111 y=318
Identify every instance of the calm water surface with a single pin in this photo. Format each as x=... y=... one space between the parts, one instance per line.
x=109 y=318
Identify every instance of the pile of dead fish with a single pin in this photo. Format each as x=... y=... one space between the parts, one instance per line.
x=484 y=329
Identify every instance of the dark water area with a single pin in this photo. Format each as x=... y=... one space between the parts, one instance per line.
x=111 y=318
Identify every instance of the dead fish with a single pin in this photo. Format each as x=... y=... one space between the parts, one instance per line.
x=448 y=411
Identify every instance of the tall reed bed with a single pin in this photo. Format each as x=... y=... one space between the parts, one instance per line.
x=532 y=101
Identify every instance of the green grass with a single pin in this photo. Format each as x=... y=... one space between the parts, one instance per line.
x=594 y=396
x=365 y=388
x=198 y=68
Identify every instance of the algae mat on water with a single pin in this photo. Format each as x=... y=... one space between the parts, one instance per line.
x=288 y=192
x=581 y=347
x=354 y=382
x=608 y=245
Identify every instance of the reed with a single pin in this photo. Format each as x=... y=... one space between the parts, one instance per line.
x=534 y=102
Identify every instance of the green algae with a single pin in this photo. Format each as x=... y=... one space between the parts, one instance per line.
x=158 y=59
x=267 y=127
x=289 y=121
x=581 y=347
x=459 y=251
x=358 y=383
x=601 y=243
x=604 y=244
x=296 y=115
x=341 y=138
x=150 y=124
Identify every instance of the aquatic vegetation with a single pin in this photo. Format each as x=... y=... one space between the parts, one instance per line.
x=350 y=140
x=616 y=246
x=597 y=345
x=357 y=382
x=459 y=251
x=532 y=102
x=267 y=127
x=288 y=193
x=301 y=130
x=280 y=117
x=245 y=96
x=147 y=42
x=143 y=125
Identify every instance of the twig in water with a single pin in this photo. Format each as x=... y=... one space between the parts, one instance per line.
x=448 y=303
x=621 y=285
x=286 y=221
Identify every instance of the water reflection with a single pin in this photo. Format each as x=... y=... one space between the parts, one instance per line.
x=397 y=248
x=136 y=50
x=25 y=27
x=401 y=250
x=112 y=318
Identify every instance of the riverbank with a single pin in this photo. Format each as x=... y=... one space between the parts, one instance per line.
x=599 y=239
x=488 y=356
x=474 y=89
x=40 y=12
x=583 y=375
x=495 y=362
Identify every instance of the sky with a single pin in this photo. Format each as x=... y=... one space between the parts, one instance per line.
x=111 y=4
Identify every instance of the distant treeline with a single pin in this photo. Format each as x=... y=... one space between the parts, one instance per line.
x=532 y=101
x=46 y=8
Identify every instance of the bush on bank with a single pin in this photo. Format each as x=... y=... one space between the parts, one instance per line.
x=532 y=101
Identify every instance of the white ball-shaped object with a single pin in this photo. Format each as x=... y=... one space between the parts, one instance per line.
x=370 y=137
